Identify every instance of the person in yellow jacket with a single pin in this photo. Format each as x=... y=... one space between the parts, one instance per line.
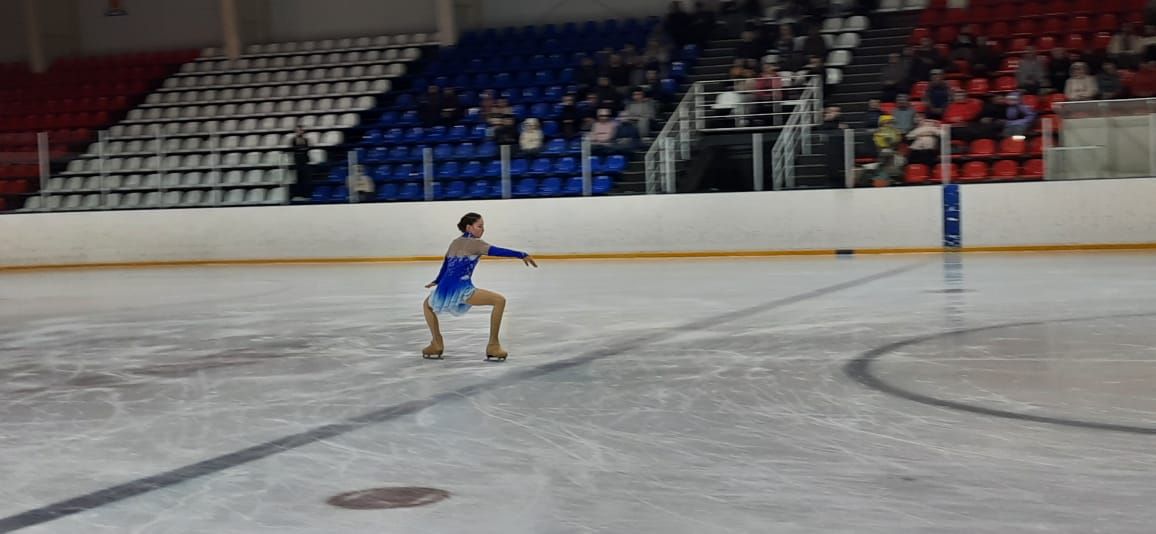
x=887 y=139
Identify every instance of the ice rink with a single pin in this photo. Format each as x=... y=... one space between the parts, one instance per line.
x=889 y=394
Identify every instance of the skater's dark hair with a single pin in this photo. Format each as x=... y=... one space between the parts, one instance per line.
x=467 y=220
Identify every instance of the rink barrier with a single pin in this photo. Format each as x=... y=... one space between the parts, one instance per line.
x=1090 y=247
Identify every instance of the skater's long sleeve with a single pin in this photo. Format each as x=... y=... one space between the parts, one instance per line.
x=442 y=272
x=505 y=252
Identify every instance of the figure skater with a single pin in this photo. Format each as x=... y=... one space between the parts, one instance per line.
x=455 y=292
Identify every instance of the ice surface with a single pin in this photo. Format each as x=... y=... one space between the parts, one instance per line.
x=644 y=397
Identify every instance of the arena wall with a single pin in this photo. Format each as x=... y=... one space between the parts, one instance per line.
x=1083 y=214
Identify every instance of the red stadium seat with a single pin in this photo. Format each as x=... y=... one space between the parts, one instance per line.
x=1101 y=40
x=1107 y=22
x=1009 y=64
x=999 y=30
x=1034 y=168
x=1080 y=24
x=919 y=33
x=1005 y=168
x=977 y=87
x=1074 y=41
x=918 y=89
x=1019 y=44
x=1031 y=101
x=1005 y=84
x=1011 y=147
x=946 y=34
x=916 y=173
x=1036 y=146
x=974 y=171
x=937 y=172
x=1026 y=27
x=1046 y=43
x=982 y=148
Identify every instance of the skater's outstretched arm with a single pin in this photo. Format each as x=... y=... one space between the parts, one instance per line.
x=508 y=253
x=440 y=274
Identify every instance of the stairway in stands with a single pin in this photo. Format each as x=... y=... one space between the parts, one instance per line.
x=888 y=34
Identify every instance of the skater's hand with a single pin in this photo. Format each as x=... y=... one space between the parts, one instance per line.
x=528 y=260
x=431 y=284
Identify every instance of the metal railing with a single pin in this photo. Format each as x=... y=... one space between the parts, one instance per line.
x=796 y=134
x=755 y=103
x=1101 y=139
x=673 y=144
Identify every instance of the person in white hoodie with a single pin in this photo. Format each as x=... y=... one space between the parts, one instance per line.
x=530 y=142
x=1080 y=85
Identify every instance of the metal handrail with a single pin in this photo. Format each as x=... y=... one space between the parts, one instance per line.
x=795 y=133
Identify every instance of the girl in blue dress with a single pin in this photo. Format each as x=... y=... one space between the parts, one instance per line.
x=454 y=291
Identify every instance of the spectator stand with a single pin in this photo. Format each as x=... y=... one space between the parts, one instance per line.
x=430 y=144
x=44 y=118
x=217 y=132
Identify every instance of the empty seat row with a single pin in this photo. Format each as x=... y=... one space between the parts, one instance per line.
x=251 y=109
x=170 y=180
x=857 y=24
x=86 y=166
x=349 y=43
x=232 y=126
x=156 y=199
x=975 y=171
x=332 y=59
x=615 y=164
x=334 y=74
x=192 y=145
x=265 y=93
x=553 y=186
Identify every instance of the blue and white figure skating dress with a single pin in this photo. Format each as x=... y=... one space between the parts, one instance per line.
x=454 y=284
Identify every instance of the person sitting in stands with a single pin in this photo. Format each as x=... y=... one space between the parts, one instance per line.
x=874 y=112
x=626 y=136
x=1111 y=86
x=1081 y=85
x=507 y=132
x=608 y=96
x=887 y=140
x=569 y=120
x=1030 y=74
x=641 y=110
x=430 y=107
x=903 y=114
x=603 y=133
x=1126 y=47
x=530 y=142
x=894 y=77
x=937 y=96
x=1020 y=116
x=924 y=141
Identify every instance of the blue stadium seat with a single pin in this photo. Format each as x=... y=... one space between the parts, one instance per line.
x=573 y=186
x=550 y=129
x=526 y=187
x=372 y=138
x=411 y=191
x=465 y=151
x=398 y=154
x=377 y=155
x=596 y=165
x=338 y=175
x=382 y=173
x=457 y=133
x=439 y=191
x=409 y=118
x=550 y=187
x=404 y=101
x=602 y=185
x=615 y=164
x=479 y=133
x=493 y=169
x=393 y=136
x=455 y=191
x=480 y=189
x=403 y=172
x=531 y=94
x=540 y=166
x=339 y=194
x=387 y=192
x=388 y=118
x=540 y=110
x=519 y=167
x=447 y=171
x=321 y=194
x=555 y=147
x=443 y=151
x=574 y=146
x=519 y=112
x=566 y=166
x=489 y=149
x=414 y=135
x=473 y=116
x=436 y=134
x=472 y=170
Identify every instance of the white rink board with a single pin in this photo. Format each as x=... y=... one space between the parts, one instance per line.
x=1086 y=212
x=769 y=221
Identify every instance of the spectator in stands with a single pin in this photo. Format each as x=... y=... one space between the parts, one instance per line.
x=530 y=142
x=1111 y=86
x=587 y=75
x=499 y=112
x=832 y=129
x=362 y=184
x=1059 y=68
x=887 y=139
x=506 y=133
x=964 y=45
x=814 y=45
x=678 y=25
x=608 y=96
x=894 y=77
x=618 y=73
x=986 y=58
x=656 y=54
x=961 y=110
x=1144 y=84
x=638 y=69
x=1030 y=72
x=924 y=141
x=815 y=67
x=569 y=121
x=1020 y=117
x=937 y=96
x=627 y=138
x=872 y=115
x=790 y=56
x=652 y=86
x=430 y=107
x=702 y=24
x=1148 y=42
x=991 y=121
x=452 y=110
x=1126 y=47
x=1081 y=85
x=738 y=69
x=924 y=60
x=770 y=87
x=641 y=111
x=299 y=147
x=749 y=48
x=603 y=133
x=588 y=111
x=903 y=114
x=486 y=104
